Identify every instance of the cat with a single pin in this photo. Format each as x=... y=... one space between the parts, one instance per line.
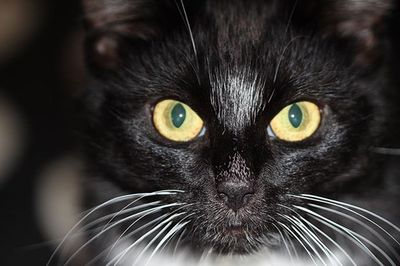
x=237 y=132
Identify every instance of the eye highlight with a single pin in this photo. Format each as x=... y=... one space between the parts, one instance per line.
x=296 y=122
x=176 y=121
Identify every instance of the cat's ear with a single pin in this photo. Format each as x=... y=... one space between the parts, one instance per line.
x=112 y=24
x=358 y=23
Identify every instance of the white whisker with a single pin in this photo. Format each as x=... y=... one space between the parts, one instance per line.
x=369 y=228
x=330 y=239
x=280 y=61
x=125 y=237
x=131 y=225
x=357 y=208
x=284 y=242
x=314 y=228
x=299 y=231
x=162 y=241
x=347 y=207
x=298 y=240
x=148 y=245
x=113 y=215
x=292 y=245
x=122 y=210
x=328 y=253
x=107 y=203
x=351 y=235
x=169 y=235
x=291 y=17
x=185 y=18
x=119 y=256
x=182 y=221
x=115 y=224
x=178 y=242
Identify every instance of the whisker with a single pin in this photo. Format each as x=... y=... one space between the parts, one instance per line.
x=206 y=254
x=148 y=245
x=369 y=228
x=119 y=257
x=127 y=229
x=330 y=239
x=299 y=231
x=357 y=208
x=169 y=235
x=387 y=151
x=284 y=242
x=280 y=60
x=125 y=237
x=118 y=213
x=109 y=202
x=130 y=226
x=185 y=18
x=291 y=16
x=351 y=235
x=182 y=221
x=328 y=253
x=314 y=228
x=155 y=209
x=292 y=245
x=346 y=206
x=156 y=237
x=178 y=242
x=298 y=240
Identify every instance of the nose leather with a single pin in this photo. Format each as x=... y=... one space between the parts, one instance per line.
x=235 y=182
x=235 y=195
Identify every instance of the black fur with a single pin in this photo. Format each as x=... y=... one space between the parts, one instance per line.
x=252 y=59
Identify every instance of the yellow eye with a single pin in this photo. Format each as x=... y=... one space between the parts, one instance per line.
x=296 y=122
x=176 y=121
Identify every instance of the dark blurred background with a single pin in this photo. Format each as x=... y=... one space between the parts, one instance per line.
x=41 y=79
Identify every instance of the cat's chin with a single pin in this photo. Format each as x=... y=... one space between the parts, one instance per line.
x=230 y=232
x=235 y=243
x=235 y=240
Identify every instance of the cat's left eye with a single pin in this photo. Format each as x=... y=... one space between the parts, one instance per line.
x=176 y=121
x=296 y=122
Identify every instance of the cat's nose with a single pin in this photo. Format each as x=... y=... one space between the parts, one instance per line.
x=235 y=194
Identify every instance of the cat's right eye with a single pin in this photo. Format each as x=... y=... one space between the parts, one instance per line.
x=176 y=121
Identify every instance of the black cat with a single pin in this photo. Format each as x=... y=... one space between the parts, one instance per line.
x=240 y=131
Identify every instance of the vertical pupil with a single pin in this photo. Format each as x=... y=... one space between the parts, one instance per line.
x=295 y=115
x=178 y=115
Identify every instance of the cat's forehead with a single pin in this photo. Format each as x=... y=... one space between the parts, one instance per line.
x=237 y=96
x=236 y=68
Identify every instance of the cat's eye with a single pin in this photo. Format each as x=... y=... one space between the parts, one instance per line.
x=176 y=121
x=296 y=122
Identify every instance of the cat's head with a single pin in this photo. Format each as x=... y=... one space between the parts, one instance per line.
x=237 y=103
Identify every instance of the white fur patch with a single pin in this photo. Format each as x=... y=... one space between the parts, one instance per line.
x=185 y=259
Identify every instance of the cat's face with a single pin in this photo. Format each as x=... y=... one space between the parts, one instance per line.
x=236 y=170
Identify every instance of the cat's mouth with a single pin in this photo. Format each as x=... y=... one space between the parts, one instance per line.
x=236 y=230
x=230 y=232
x=233 y=238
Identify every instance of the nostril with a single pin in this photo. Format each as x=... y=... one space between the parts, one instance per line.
x=235 y=195
x=247 y=198
x=224 y=198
